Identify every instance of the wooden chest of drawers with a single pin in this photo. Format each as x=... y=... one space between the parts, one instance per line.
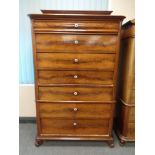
x=76 y=56
x=125 y=122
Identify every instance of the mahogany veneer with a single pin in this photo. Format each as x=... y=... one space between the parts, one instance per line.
x=76 y=55
x=125 y=121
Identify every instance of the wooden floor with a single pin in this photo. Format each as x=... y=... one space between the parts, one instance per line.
x=27 y=134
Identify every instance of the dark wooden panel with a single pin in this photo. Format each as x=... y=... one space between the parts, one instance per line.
x=74 y=25
x=74 y=127
x=75 y=77
x=76 y=93
x=76 y=43
x=75 y=110
x=67 y=61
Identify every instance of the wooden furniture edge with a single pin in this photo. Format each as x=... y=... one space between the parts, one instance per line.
x=123 y=138
x=126 y=104
x=80 y=14
x=75 y=11
x=108 y=139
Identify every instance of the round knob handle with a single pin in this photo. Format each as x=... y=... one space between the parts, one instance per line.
x=75 y=124
x=75 y=109
x=75 y=76
x=75 y=93
x=76 y=25
x=76 y=60
x=76 y=41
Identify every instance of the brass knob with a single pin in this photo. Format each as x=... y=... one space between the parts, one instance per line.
x=76 y=25
x=75 y=124
x=76 y=41
x=75 y=93
x=75 y=109
x=76 y=60
x=75 y=76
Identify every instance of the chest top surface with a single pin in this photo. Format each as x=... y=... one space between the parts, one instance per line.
x=90 y=15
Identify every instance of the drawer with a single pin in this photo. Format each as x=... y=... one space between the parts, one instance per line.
x=75 y=77
x=76 y=43
x=55 y=25
x=72 y=61
x=78 y=93
x=74 y=127
x=56 y=110
x=94 y=111
x=75 y=110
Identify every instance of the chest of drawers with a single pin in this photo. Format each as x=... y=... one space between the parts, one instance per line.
x=76 y=55
x=125 y=120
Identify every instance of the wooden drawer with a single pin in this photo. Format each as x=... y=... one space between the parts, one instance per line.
x=70 y=61
x=74 y=127
x=75 y=110
x=56 y=110
x=75 y=93
x=77 y=26
x=76 y=43
x=75 y=77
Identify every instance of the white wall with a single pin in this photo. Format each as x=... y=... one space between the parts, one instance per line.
x=26 y=95
x=123 y=7
x=26 y=100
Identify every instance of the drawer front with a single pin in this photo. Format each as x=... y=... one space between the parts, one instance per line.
x=73 y=110
x=94 y=111
x=74 y=127
x=56 y=110
x=76 y=43
x=70 y=61
x=55 y=25
x=75 y=93
x=75 y=77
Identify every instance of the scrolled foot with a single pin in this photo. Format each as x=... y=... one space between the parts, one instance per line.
x=122 y=142
x=111 y=143
x=38 y=142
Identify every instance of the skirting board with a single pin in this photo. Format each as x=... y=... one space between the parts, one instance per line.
x=27 y=119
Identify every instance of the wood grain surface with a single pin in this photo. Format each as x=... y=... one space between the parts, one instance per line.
x=75 y=77
x=66 y=127
x=76 y=56
x=75 y=110
x=76 y=43
x=71 y=61
x=125 y=127
x=83 y=93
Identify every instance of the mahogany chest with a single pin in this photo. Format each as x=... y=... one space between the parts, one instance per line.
x=125 y=120
x=76 y=55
